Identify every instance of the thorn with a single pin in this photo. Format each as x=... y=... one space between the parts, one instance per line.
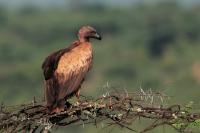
x=142 y=91
x=161 y=99
x=83 y=124
x=107 y=84
x=34 y=101
x=110 y=102
x=126 y=92
x=1 y=107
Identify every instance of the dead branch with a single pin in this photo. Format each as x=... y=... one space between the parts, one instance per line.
x=113 y=108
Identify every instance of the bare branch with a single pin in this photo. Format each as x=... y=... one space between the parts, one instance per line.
x=120 y=108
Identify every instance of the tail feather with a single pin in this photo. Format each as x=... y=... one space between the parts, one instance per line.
x=50 y=94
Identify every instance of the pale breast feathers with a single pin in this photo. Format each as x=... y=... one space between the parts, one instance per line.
x=77 y=60
x=72 y=69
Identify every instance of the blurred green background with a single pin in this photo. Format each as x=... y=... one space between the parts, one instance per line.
x=146 y=43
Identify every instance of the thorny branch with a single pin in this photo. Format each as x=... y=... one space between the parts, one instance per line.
x=120 y=108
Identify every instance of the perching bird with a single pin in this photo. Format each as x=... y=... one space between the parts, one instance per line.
x=65 y=70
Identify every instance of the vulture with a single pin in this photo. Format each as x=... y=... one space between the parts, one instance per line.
x=64 y=70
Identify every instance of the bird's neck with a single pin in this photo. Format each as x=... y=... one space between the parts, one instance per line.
x=83 y=39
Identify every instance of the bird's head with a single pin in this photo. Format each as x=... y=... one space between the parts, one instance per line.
x=87 y=32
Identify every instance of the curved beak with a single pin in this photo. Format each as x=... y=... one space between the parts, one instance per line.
x=97 y=36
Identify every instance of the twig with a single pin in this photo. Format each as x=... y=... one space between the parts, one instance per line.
x=115 y=108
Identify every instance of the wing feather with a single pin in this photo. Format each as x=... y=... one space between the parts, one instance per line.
x=51 y=62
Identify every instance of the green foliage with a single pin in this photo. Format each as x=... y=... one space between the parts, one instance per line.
x=150 y=46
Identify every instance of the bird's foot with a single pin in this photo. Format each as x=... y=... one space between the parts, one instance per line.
x=67 y=105
x=57 y=110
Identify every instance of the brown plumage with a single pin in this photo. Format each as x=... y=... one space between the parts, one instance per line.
x=65 y=70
